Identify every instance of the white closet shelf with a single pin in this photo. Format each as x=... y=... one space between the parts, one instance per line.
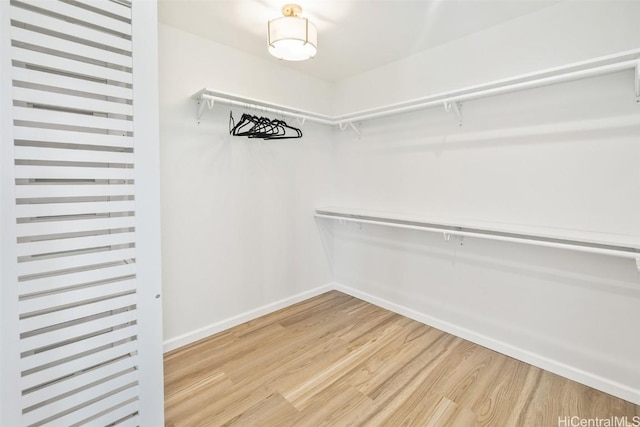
x=208 y=97
x=451 y=100
x=578 y=240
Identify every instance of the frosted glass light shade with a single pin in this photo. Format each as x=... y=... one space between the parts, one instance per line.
x=292 y=38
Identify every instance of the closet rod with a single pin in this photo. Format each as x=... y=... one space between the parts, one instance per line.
x=480 y=92
x=627 y=60
x=505 y=236
x=209 y=97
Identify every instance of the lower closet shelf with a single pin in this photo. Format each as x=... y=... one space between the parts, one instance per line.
x=592 y=242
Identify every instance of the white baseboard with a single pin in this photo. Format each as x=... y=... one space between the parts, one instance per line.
x=198 y=334
x=587 y=378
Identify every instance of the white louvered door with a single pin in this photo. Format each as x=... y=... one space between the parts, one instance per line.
x=80 y=264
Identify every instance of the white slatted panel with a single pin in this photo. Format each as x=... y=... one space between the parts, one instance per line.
x=70 y=137
x=72 y=244
x=34 y=77
x=29 y=191
x=84 y=412
x=58 y=227
x=82 y=309
x=81 y=15
x=110 y=7
x=39 y=172
x=84 y=69
x=50 y=99
x=37 y=153
x=54 y=283
x=57 y=355
x=66 y=374
x=79 y=49
x=58 y=300
x=71 y=118
x=68 y=208
x=69 y=402
x=72 y=29
x=55 y=265
x=120 y=415
x=75 y=209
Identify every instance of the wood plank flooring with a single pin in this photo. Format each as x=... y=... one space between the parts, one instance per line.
x=336 y=360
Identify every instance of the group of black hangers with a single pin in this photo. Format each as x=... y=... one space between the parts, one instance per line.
x=262 y=127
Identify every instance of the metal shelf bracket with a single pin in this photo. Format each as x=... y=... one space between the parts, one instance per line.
x=457 y=109
x=343 y=127
x=201 y=104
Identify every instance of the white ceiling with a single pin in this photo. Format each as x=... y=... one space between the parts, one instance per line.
x=353 y=36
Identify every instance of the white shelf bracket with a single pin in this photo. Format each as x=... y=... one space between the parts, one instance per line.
x=343 y=127
x=457 y=109
x=301 y=120
x=637 y=79
x=355 y=129
x=638 y=263
x=446 y=236
x=202 y=102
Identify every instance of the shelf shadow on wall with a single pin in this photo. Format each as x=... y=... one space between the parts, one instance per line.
x=378 y=139
x=326 y=232
x=532 y=262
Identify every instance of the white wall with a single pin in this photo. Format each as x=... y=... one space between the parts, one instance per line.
x=237 y=229
x=570 y=31
x=562 y=156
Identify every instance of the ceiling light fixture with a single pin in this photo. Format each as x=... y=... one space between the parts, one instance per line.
x=292 y=38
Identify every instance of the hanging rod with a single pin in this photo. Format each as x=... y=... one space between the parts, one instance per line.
x=597 y=243
x=209 y=97
x=628 y=60
x=451 y=100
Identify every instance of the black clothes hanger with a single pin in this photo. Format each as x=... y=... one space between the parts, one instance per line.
x=245 y=125
x=262 y=127
x=287 y=132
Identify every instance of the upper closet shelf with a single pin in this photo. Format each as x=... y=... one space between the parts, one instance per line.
x=451 y=101
x=208 y=97
x=584 y=241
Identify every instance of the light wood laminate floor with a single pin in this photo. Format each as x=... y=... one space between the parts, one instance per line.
x=336 y=360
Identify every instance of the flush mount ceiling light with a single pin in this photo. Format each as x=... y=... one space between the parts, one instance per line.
x=292 y=38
